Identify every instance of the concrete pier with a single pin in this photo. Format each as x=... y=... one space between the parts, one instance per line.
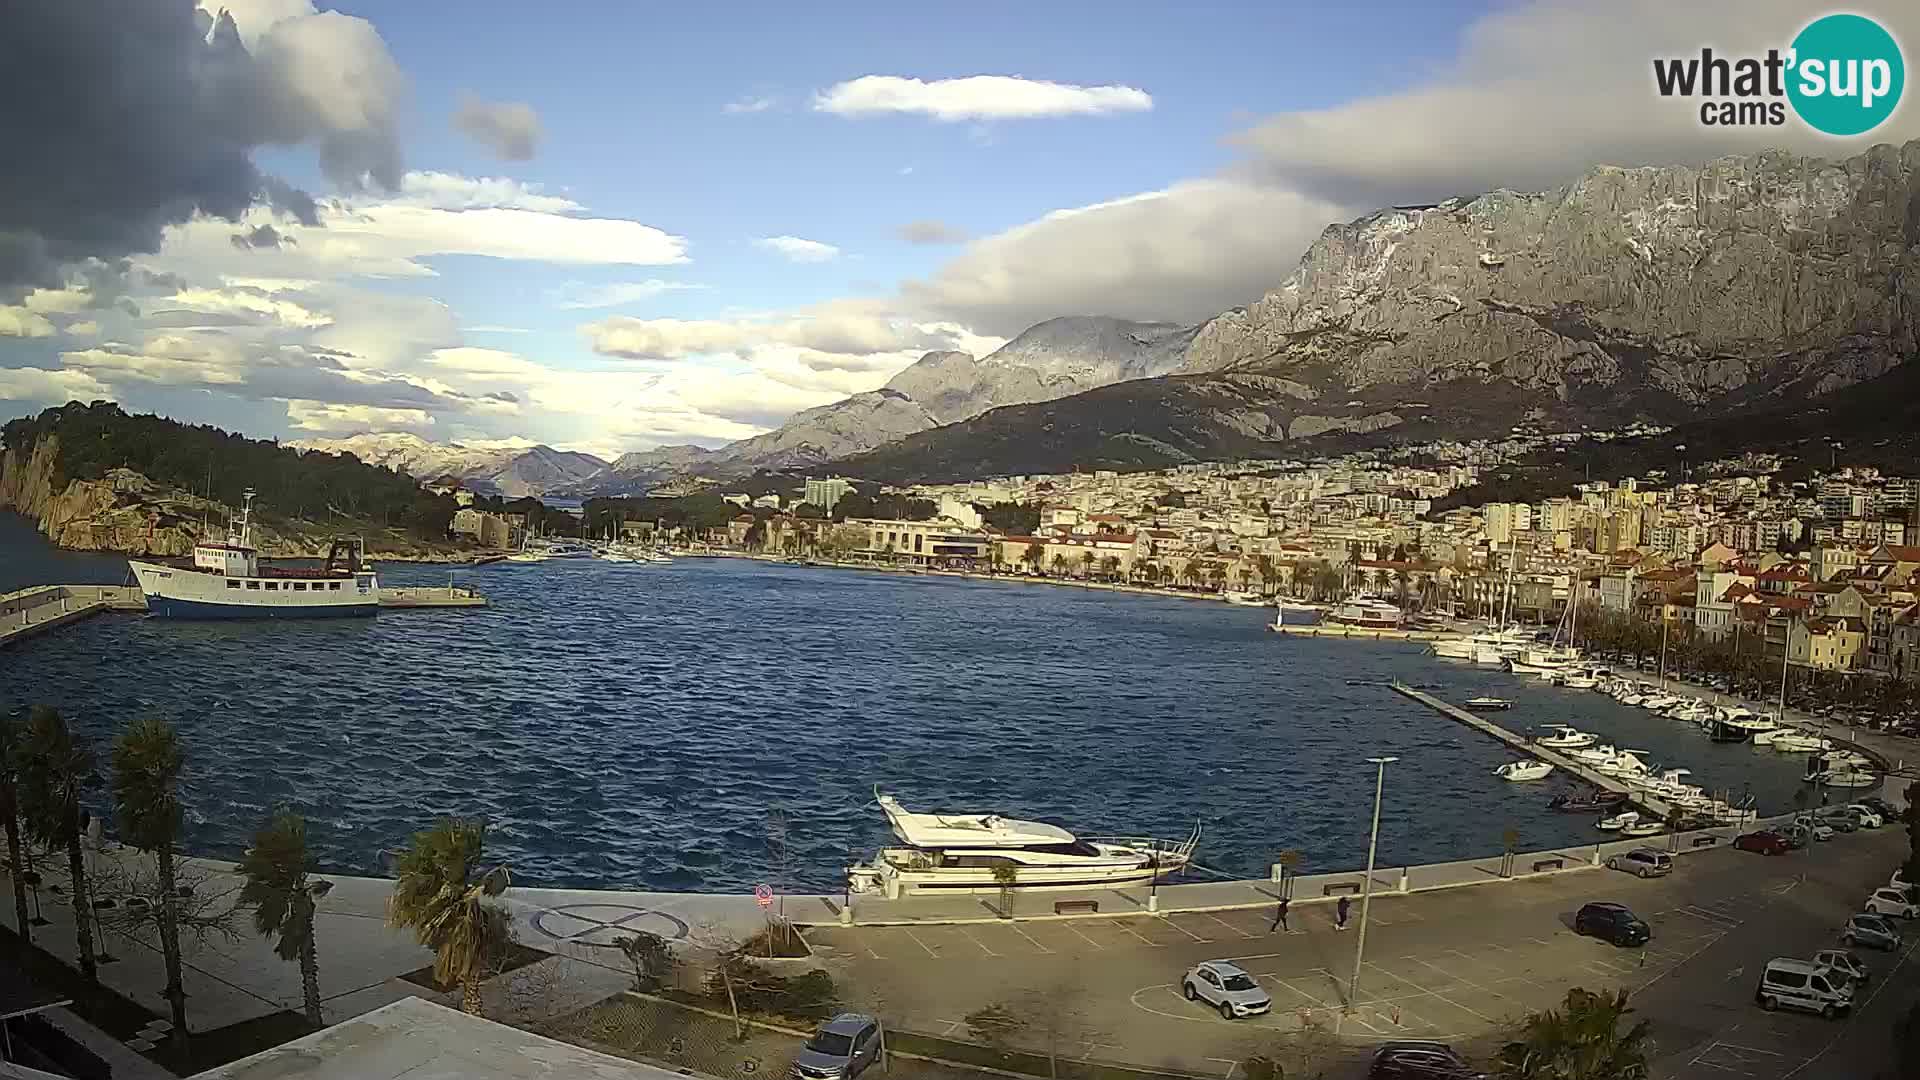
x=1335 y=630
x=430 y=596
x=1532 y=749
x=26 y=612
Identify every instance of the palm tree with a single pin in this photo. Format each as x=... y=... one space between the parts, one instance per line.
x=281 y=894
x=1110 y=566
x=1086 y=564
x=146 y=791
x=11 y=748
x=54 y=768
x=1035 y=554
x=1059 y=564
x=447 y=908
x=1580 y=1041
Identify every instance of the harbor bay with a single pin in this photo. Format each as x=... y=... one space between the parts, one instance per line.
x=634 y=726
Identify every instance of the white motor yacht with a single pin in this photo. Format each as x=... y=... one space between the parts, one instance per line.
x=959 y=852
x=1566 y=738
x=1454 y=648
x=1243 y=598
x=1624 y=763
x=1643 y=828
x=1845 y=778
x=1516 y=771
x=1799 y=742
x=1595 y=756
x=1618 y=821
x=1578 y=682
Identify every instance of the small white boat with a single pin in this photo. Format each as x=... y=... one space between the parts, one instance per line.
x=1243 y=598
x=1488 y=704
x=1844 y=778
x=1517 y=771
x=1458 y=648
x=1799 y=742
x=1577 y=682
x=1618 y=821
x=1643 y=828
x=1594 y=755
x=1566 y=738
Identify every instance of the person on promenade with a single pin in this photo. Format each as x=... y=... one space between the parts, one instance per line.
x=1280 y=917
x=1340 y=914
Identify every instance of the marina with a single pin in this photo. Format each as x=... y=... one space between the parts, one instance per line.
x=633 y=726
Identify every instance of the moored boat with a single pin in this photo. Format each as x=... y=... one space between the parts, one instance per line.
x=1566 y=738
x=1518 y=771
x=959 y=852
x=1488 y=704
x=227 y=581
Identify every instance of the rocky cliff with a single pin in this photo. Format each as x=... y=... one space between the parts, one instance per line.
x=1650 y=291
x=127 y=513
x=1667 y=294
x=514 y=470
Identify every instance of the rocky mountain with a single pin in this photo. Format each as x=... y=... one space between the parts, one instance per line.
x=1650 y=293
x=1050 y=360
x=514 y=469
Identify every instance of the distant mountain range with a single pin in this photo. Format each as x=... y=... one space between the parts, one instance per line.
x=512 y=471
x=1667 y=294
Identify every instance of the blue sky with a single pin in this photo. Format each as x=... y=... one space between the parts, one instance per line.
x=1186 y=158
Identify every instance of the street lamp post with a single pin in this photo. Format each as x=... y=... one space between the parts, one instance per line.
x=1366 y=888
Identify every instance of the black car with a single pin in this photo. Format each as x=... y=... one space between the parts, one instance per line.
x=1411 y=1059
x=1612 y=923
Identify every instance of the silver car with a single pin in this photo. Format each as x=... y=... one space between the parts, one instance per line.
x=1846 y=962
x=1872 y=931
x=841 y=1050
x=1225 y=987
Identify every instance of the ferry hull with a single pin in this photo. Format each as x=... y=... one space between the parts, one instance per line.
x=172 y=608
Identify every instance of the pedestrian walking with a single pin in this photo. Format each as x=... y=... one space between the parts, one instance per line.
x=1340 y=915
x=1280 y=917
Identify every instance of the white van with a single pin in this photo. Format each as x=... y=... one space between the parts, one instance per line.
x=1802 y=984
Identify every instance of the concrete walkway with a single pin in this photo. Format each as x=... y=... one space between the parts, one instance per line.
x=26 y=612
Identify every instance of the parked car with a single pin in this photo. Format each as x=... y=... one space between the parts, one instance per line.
x=1766 y=842
x=1864 y=815
x=1872 y=931
x=1797 y=836
x=1880 y=806
x=1820 y=830
x=1838 y=818
x=1613 y=923
x=1803 y=984
x=841 y=1050
x=1642 y=862
x=1847 y=962
x=1225 y=987
x=1413 y=1059
x=1888 y=900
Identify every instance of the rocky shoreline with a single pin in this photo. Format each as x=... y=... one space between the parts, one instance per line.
x=125 y=513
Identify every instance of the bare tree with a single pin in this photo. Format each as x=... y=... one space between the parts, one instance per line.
x=650 y=957
x=1057 y=1019
x=207 y=905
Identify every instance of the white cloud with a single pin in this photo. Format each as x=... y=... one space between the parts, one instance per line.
x=41 y=386
x=842 y=327
x=796 y=249
x=749 y=105
x=434 y=214
x=976 y=97
x=498 y=330
x=575 y=296
x=64 y=301
x=249 y=302
x=83 y=328
x=929 y=232
x=1181 y=254
x=321 y=416
x=22 y=322
x=1538 y=94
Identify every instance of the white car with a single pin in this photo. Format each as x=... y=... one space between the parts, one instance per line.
x=1225 y=987
x=1892 y=901
x=1846 y=962
x=1818 y=829
x=1869 y=817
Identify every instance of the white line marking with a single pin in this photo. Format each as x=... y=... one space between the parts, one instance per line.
x=1226 y=924
x=922 y=944
x=977 y=941
x=1186 y=931
x=1029 y=937
x=1121 y=923
x=1289 y=985
x=1083 y=935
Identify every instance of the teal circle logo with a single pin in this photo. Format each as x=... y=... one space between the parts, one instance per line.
x=1847 y=74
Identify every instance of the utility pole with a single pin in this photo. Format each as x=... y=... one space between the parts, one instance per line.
x=1366 y=889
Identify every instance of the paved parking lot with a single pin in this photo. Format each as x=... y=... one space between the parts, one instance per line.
x=1457 y=965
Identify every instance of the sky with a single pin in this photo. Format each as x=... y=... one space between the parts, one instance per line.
x=609 y=226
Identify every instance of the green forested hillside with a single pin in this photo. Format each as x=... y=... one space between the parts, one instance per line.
x=290 y=483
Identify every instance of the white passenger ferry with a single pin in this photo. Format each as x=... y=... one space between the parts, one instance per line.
x=226 y=581
x=956 y=852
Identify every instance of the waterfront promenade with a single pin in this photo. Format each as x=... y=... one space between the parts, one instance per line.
x=28 y=612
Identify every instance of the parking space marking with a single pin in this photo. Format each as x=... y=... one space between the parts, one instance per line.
x=1736 y=1058
x=970 y=937
x=1083 y=935
x=1030 y=938
x=917 y=941
x=1122 y=924
x=1289 y=985
x=1169 y=921
x=1225 y=923
x=1465 y=982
